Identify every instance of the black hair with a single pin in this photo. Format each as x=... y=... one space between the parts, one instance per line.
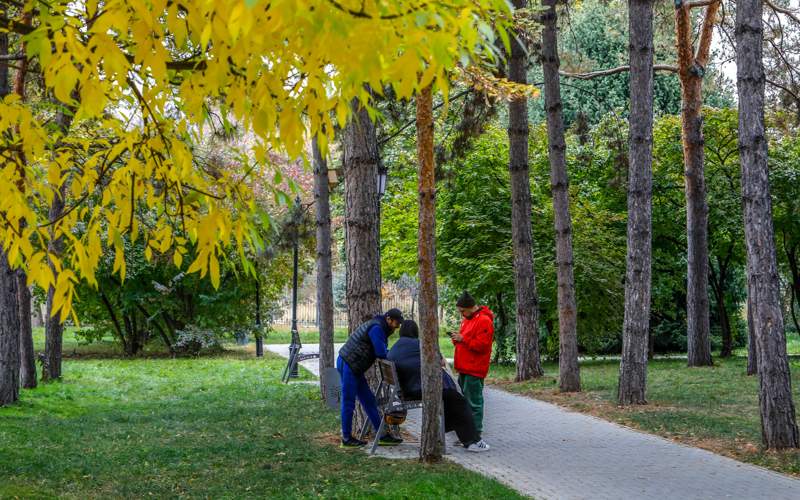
x=409 y=329
x=466 y=300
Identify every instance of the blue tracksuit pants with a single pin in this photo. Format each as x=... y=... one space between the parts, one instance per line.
x=355 y=386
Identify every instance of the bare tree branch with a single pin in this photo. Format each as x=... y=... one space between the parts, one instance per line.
x=12 y=57
x=784 y=88
x=614 y=71
x=364 y=15
x=792 y=14
x=700 y=3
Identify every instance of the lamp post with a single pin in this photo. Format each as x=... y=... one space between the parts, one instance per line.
x=259 y=338
x=294 y=348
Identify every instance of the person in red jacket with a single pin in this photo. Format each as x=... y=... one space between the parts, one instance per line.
x=473 y=353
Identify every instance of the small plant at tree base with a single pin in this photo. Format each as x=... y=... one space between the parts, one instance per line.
x=193 y=339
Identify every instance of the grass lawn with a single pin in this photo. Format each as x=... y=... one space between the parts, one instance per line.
x=75 y=347
x=713 y=408
x=217 y=427
x=283 y=335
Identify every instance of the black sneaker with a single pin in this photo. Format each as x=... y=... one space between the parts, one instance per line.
x=352 y=443
x=389 y=440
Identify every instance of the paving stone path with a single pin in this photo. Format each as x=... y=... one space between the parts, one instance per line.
x=546 y=452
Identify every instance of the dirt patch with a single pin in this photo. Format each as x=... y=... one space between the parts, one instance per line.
x=327 y=439
x=334 y=439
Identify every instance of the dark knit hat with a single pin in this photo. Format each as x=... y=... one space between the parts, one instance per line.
x=395 y=314
x=466 y=300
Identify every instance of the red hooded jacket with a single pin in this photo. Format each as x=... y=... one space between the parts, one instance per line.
x=474 y=352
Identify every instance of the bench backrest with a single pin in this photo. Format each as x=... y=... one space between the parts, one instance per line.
x=389 y=389
x=388 y=373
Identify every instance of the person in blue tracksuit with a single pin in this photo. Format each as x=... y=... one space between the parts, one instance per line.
x=367 y=343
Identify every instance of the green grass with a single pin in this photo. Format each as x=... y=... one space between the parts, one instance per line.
x=714 y=408
x=220 y=427
x=792 y=346
x=283 y=335
x=76 y=347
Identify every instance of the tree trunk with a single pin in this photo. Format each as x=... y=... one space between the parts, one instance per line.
x=113 y=317
x=636 y=325
x=430 y=449
x=36 y=313
x=500 y=336
x=752 y=354
x=362 y=228
x=27 y=358
x=362 y=213
x=691 y=70
x=791 y=309
x=161 y=331
x=569 y=379
x=9 y=333
x=725 y=327
x=718 y=286
x=778 y=426
x=54 y=328
x=528 y=359
x=324 y=271
x=9 y=306
x=791 y=255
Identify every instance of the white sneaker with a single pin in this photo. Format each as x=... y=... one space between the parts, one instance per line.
x=479 y=447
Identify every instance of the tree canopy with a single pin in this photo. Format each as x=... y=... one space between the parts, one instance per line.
x=131 y=86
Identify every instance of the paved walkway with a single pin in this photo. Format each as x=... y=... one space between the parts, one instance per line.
x=547 y=452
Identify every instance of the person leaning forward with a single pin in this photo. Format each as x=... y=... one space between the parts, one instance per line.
x=473 y=353
x=405 y=354
x=367 y=343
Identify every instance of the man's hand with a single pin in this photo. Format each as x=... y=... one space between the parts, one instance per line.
x=457 y=337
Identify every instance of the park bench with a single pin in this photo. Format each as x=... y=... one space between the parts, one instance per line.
x=389 y=397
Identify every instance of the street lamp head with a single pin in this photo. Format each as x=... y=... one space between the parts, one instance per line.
x=382 y=175
x=333 y=178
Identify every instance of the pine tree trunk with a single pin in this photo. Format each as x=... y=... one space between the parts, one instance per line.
x=27 y=358
x=9 y=306
x=362 y=214
x=430 y=449
x=362 y=229
x=528 y=360
x=636 y=325
x=752 y=354
x=569 y=379
x=690 y=73
x=778 y=425
x=324 y=271
x=9 y=333
x=27 y=372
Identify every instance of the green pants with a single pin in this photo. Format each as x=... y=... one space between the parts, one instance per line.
x=472 y=387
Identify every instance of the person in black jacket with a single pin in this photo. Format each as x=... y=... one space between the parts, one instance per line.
x=405 y=354
x=368 y=342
